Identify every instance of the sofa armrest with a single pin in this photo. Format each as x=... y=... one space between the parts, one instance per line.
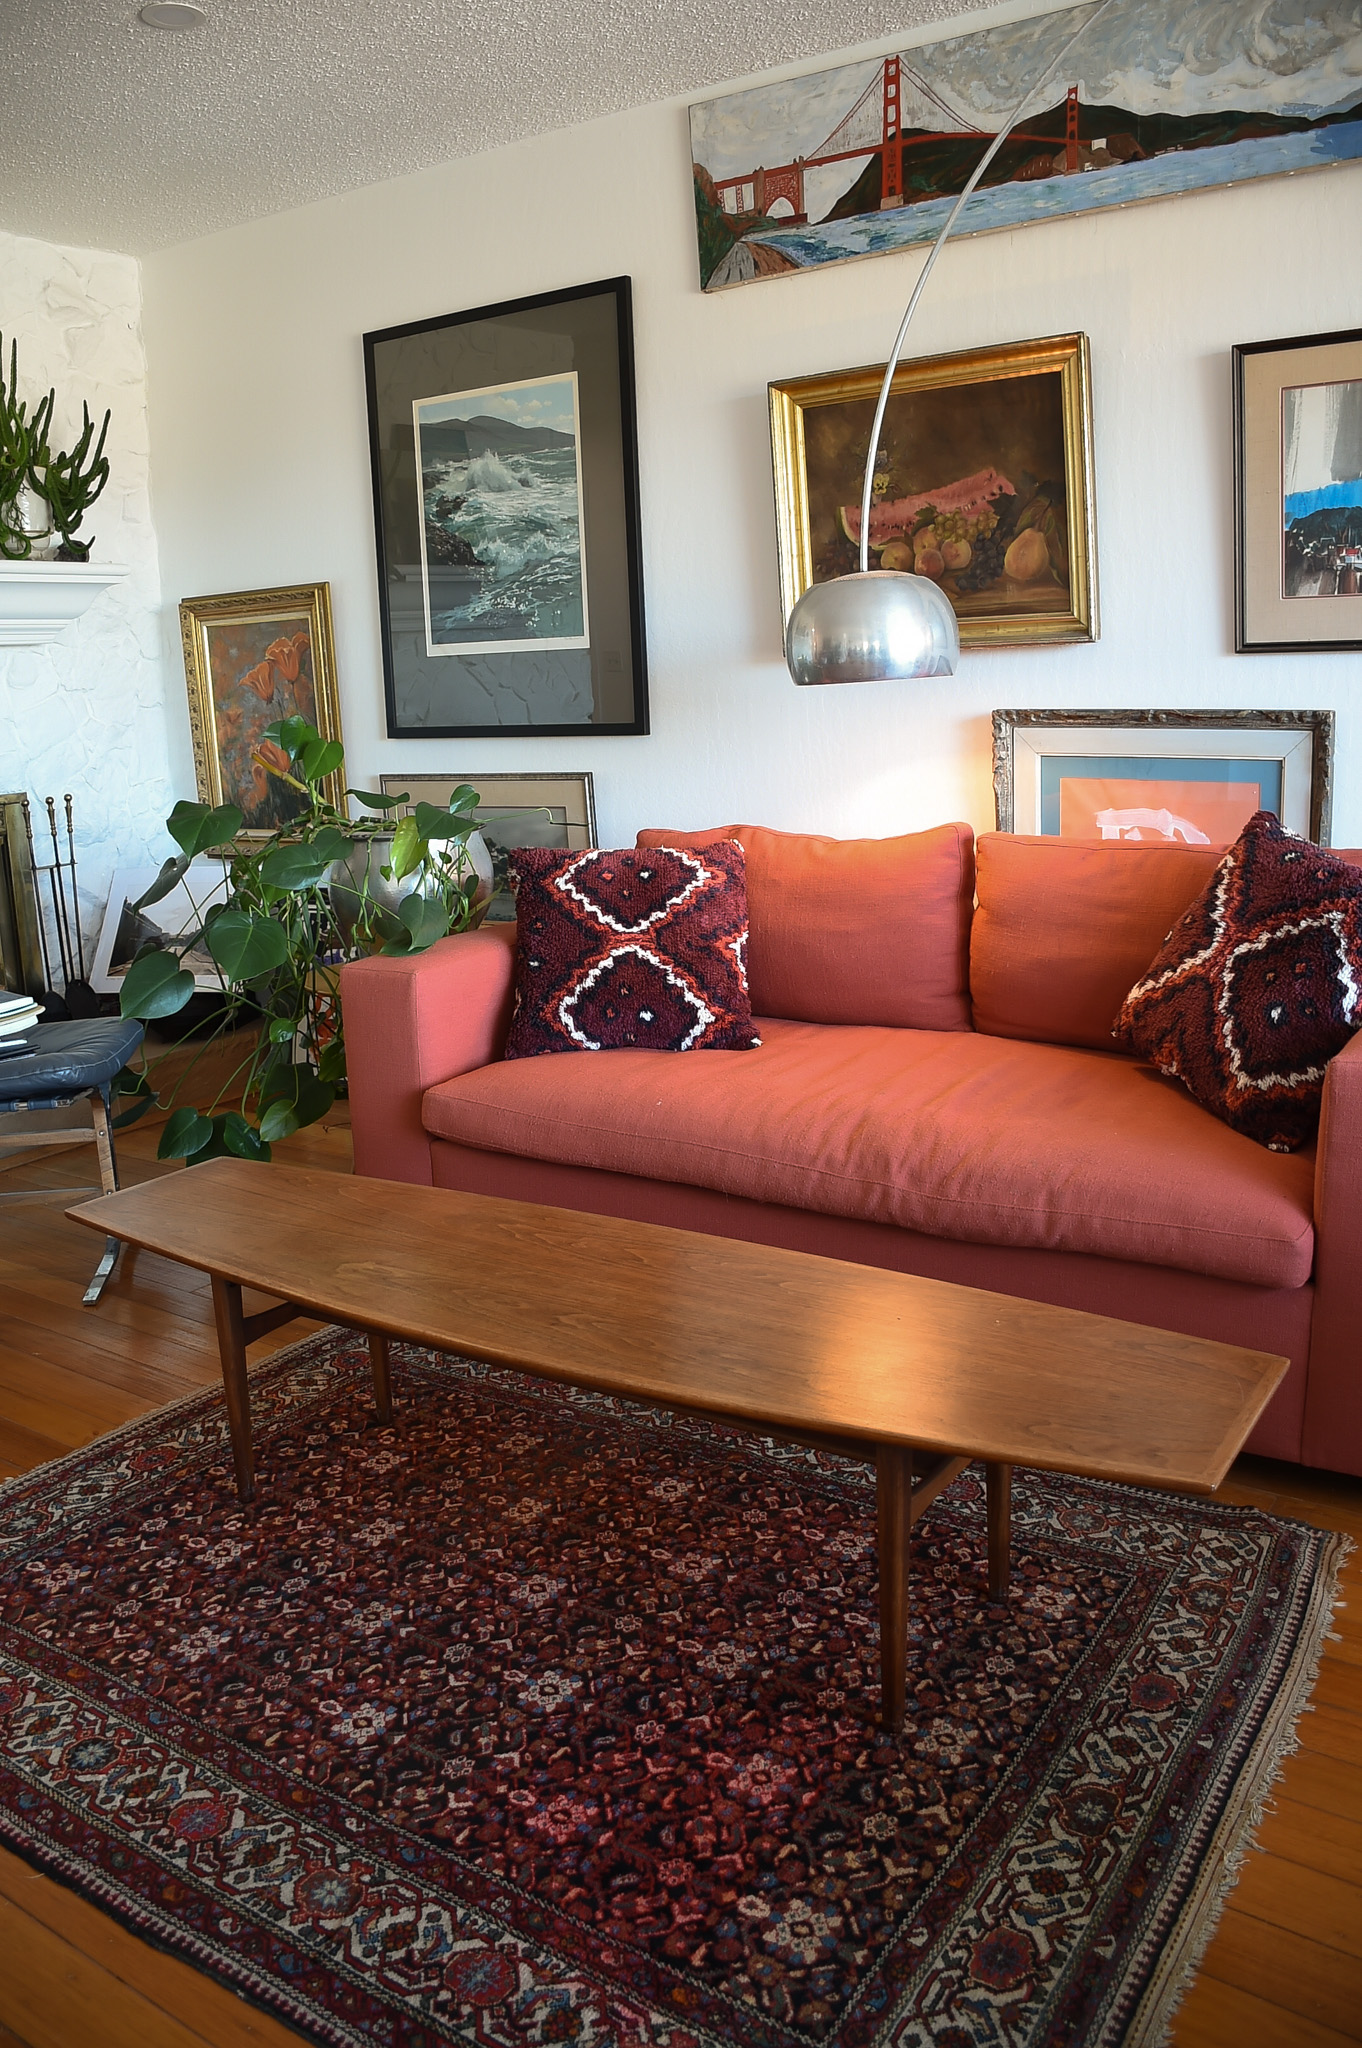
x=1333 y=1409
x=412 y=1021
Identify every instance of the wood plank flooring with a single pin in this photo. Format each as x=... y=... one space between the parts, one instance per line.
x=1285 y=1968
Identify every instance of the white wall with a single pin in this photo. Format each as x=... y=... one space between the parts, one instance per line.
x=87 y=713
x=262 y=469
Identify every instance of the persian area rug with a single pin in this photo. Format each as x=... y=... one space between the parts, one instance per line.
x=535 y=1718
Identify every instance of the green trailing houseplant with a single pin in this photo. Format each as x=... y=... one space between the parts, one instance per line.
x=280 y=938
x=68 y=480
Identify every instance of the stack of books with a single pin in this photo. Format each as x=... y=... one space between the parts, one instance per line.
x=16 y=1014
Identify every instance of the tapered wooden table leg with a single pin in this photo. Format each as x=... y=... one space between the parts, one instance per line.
x=999 y=1483
x=893 y=1491
x=232 y=1351
x=383 y=1386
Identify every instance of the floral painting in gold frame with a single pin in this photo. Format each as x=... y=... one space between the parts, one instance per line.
x=983 y=481
x=252 y=657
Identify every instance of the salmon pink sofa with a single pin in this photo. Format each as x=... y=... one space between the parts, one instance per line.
x=936 y=1091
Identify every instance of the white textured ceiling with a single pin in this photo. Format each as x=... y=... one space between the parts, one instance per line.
x=117 y=136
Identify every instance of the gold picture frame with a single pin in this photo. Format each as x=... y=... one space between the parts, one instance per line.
x=251 y=657
x=1005 y=433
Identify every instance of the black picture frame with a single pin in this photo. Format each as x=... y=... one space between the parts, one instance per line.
x=496 y=645
x=1270 y=617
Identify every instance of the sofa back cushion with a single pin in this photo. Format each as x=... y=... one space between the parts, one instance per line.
x=1065 y=928
x=856 y=931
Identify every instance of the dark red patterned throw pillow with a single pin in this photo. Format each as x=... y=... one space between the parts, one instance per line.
x=1257 y=987
x=644 y=948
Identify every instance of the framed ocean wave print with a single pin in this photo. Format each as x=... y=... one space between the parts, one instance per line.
x=505 y=473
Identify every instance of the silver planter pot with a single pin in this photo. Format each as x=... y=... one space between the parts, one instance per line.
x=358 y=877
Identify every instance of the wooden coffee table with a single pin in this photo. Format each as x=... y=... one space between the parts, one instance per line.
x=919 y=1377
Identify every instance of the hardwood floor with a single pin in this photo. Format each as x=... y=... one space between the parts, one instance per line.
x=1285 y=1968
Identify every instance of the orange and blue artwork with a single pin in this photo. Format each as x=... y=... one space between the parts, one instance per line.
x=259 y=670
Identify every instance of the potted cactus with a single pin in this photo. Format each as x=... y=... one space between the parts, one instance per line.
x=42 y=492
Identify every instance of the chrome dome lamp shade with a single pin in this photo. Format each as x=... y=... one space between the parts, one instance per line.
x=885 y=625
x=876 y=626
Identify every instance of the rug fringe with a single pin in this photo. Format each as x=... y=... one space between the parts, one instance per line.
x=1236 y=1837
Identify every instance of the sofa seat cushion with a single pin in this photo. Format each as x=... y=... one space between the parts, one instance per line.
x=986 y=1140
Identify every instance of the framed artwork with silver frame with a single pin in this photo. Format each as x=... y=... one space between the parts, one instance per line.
x=983 y=481
x=1194 y=776
x=252 y=657
x=546 y=809
x=1298 y=494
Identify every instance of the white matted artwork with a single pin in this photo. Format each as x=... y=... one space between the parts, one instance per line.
x=1193 y=777
x=516 y=810
x=1298 y=494
x=503 y=540
x=125 y=930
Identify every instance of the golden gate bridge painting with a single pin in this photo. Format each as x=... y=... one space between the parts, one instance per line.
x=867 y=157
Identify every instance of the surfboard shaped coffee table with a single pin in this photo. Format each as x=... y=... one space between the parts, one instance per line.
x=919 y=1377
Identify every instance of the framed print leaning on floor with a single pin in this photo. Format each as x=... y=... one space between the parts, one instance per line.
x=505 y=472
x=983 y=481
x=1298 y=494
x=252 y=657
x=516 y=810
x=1194 y=776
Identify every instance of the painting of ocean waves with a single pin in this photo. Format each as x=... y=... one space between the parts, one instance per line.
x=503 y=561
x=870 y=157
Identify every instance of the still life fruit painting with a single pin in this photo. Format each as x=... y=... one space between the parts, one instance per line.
x=982 y=482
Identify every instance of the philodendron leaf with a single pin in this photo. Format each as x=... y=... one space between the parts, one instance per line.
x=247 y=947
x=126 y=1118
x=186 y=1133
x=282 y=1030
x=332 y=842
x=292 y=734
x=196 y=827
x=173 y=872
x=155 y=986
x=319 y=758
x=309 y=1098
x=331 y=1063
x=378 y=803
x=409 y=848
x=241 y=1138
x=424 y=920
x=295 y=867
x=434 y=823
x=279 y=1121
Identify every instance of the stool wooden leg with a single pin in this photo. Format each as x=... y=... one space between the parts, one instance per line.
x=893 y=1493
x=108 y=1181
x=999 y=1483
x=232 y=1351
x=108 y=1165
x=383 y=1386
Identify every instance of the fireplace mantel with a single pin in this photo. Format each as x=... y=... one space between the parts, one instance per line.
x=39 y=599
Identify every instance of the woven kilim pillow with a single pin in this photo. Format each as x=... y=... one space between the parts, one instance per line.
x=1256 y=989
x=644 y=948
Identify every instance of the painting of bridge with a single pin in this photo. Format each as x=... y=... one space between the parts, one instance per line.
x=868 y=157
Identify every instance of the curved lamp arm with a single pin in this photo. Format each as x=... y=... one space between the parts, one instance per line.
x=985 y=160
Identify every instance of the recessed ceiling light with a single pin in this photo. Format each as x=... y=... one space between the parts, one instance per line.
x=171 y=14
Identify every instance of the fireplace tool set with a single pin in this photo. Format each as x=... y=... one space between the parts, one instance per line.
x=58 y=903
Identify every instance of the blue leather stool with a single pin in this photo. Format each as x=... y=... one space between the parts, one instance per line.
x=62 y=1064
